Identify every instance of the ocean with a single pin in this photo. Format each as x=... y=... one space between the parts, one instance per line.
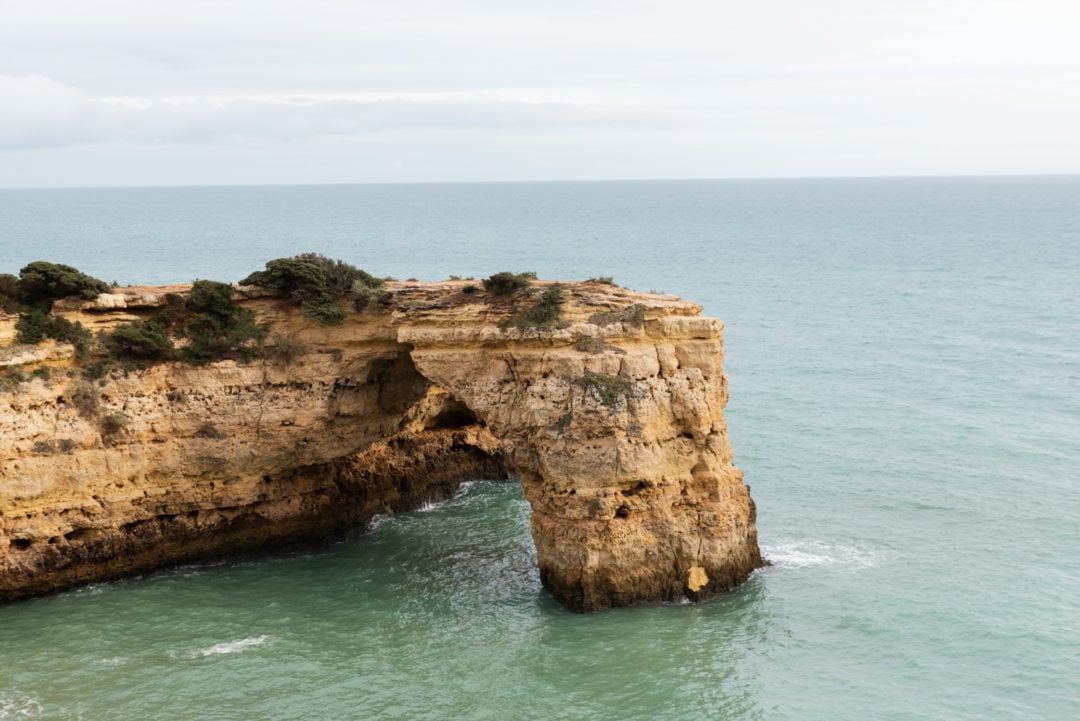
x=904 y=361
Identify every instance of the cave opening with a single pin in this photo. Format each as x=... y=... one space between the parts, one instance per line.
x=454 y=414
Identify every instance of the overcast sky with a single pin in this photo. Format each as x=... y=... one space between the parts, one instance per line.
x=158 y=92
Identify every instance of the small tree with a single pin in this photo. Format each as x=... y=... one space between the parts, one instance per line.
x=40 y=283
x=314 y=281
x=37 y=325
x=505 y=283
x=139 y=341
x=216 y=326
x=9 y=293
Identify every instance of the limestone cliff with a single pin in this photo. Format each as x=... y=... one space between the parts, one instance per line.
x=614 y=423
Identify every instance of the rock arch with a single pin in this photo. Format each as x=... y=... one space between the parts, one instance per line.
x=614 y=424
x=634 y=495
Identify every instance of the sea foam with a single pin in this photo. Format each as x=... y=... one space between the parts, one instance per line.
x=229 y=647
x=804 y=553
x=17 y=705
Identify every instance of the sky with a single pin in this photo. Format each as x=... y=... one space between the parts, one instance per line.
x=133 y=93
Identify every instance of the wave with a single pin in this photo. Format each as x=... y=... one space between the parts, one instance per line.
x=804 y=553
x=380 y=518
x=16 y=705
x=463 y=489
x=229 y=647
x=113 y=661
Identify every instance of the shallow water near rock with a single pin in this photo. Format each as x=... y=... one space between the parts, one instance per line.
x=905 y=380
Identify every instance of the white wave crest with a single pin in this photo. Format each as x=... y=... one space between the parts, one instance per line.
x=113 y=661
x=801 y=554
x=20 y=706
x=464 y=488
x=229 y=647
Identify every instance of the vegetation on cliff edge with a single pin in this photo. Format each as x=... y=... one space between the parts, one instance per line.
x=545 y=312
x=505 y=283
x=316 y=283
x=40 y=283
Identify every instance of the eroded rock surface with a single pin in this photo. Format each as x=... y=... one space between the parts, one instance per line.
x=614 y=424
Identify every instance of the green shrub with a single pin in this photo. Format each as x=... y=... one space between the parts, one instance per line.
x=66 y=445
x=364 y=297
x=505 y=283
x=113 y=423
x=11 y=377
x=176 y=397
x=174 y=313
x=604 y=279
x=139 y=341
x=86 y=400
x=44 y=373
x=607 y=389
x=298 y=277
x=632 y=315
x=209 y=430
x=469 y=289
x=216 y=326
x=9 y=293
x=40 y=283
x=545 y=313
x=590 y=344
x=211 y=298
x=43 y=448
x=325 y=311
x=548 y=306
x=32 y=327
x=595 y=345
x=98 y=369
x=37 y=325
x=281 y=349
x=314 y=281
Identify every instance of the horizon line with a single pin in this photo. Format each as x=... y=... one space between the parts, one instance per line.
x=180 y=186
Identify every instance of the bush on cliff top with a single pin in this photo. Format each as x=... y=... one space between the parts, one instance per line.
x=9 y=293
x=215 y=325
x=505 y=283
x=40 y=283
x=632 y=315
x=315 y=282
x=546 y=312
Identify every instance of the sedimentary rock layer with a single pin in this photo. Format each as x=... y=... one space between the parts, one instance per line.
x=614 y=423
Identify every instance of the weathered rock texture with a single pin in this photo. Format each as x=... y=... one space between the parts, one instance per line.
x=615 y=427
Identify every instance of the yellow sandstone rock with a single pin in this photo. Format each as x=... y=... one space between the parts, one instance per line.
x=697 y=579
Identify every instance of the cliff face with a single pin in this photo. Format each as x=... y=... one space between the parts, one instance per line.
x=614 y=424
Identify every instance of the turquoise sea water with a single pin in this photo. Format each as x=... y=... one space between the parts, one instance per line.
x=905 y=373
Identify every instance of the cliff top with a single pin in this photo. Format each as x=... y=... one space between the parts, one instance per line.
x=461 y=311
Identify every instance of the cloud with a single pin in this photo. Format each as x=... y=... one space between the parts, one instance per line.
x=38 y=112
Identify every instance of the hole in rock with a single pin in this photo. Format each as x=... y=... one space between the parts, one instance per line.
x=454 y=414
x=400 y=384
